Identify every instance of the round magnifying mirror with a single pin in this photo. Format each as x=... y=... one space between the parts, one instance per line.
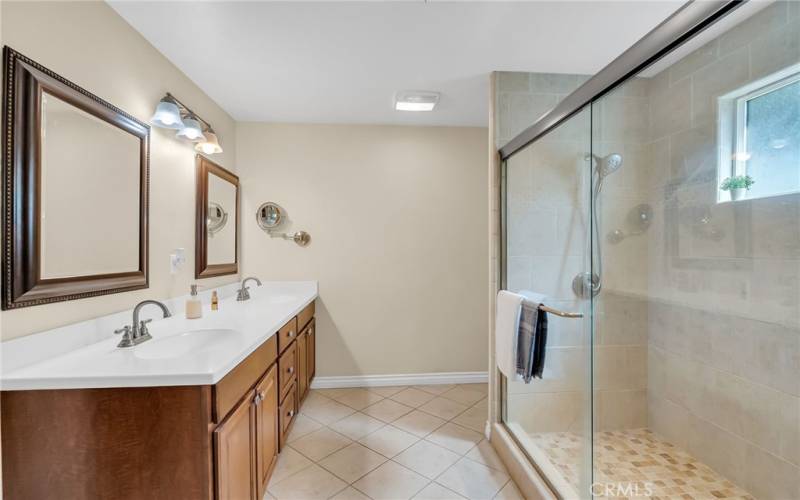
x=216 y=218
x=269 y=215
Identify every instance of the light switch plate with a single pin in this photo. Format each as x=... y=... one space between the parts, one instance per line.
x=176 y=260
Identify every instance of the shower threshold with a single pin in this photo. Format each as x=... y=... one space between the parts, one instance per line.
x=632 y=458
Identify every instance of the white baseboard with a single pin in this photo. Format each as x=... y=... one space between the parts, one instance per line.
x=406 y=379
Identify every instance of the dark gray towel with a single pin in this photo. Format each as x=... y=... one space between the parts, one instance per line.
x=526 y=340
x=532 y=341
x=540 y=345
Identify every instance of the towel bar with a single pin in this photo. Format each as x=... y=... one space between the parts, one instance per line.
x=557 y=312
x=563 y=314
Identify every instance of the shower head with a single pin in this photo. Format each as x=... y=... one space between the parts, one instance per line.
x=605 y=165
x=608 y=164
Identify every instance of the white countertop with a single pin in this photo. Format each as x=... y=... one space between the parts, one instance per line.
x=100 y=364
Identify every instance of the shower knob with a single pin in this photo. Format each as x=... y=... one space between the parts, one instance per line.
x=586 y=285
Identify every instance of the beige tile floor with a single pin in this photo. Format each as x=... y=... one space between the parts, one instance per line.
x=423 y=442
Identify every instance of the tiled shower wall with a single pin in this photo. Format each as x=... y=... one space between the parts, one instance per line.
x=619 y=126
x=723 y=283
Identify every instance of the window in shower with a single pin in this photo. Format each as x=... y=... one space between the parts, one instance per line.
x=760 y=136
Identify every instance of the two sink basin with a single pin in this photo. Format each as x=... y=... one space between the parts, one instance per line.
x=183 y=344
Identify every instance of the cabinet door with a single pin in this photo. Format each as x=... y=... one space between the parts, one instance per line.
x=302 y=365
x=234 y=445
x=311 y=350
x=266 y=428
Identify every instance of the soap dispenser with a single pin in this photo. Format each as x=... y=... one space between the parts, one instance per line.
x=194 y=308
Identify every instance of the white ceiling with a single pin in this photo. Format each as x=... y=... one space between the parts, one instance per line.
x=342 y=62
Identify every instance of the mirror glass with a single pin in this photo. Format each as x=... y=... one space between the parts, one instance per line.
x=221 y=220
x=90 y=188
x=217 y=218
x=269 y=215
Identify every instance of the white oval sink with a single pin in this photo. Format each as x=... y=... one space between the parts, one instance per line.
x=185 y=343
x=279 y=299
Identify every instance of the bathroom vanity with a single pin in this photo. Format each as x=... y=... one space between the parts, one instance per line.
x=200 y=412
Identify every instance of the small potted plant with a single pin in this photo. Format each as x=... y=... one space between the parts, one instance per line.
x=737 y=185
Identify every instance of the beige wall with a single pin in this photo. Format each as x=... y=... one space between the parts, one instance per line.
x=88 y=43
x=397 y=217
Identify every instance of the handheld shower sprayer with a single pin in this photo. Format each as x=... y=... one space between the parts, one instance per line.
x=588 y=284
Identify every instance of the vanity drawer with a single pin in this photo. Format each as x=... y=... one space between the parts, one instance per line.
x=286 y=414
x=305 y=316
x=242 y=378
x=287 y=369
x=287 y=334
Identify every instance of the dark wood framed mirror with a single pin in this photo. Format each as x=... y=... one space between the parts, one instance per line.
x=75 y=193
x=217 y=220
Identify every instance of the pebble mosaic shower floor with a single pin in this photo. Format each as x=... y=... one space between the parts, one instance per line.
x=638 y=456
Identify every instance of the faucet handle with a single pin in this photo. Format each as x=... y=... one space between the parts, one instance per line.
x=143 y=328
x=126 y=329
x=127 y=338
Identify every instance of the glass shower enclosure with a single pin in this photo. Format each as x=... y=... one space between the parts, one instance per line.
x=666 y=210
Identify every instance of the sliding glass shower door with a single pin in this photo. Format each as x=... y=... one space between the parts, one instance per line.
x=547 y=221
x=697 y=329
x=667 y=211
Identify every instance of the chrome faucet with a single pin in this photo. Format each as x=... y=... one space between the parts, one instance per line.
x=137 y=333
x=243 y=293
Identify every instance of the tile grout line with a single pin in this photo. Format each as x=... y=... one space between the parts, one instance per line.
x=384 y=424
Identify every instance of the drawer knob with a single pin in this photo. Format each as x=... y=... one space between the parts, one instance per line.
x=291 y=333
x=290 y=414
x=291 y=369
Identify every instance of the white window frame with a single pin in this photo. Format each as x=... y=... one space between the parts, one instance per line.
x=732 y=127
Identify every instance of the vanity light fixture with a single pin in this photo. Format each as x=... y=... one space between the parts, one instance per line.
x=210 y=145
x=192 y=130
x=415 y=100
x=173 y=114
x=167 y=114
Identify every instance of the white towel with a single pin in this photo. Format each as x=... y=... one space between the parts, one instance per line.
x=506 y=332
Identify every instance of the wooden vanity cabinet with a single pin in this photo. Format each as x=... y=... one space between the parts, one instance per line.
x=267 y=432
x=286 y=414
x=302 y=364
x=234 y=443
x=311 y=346
x=210 y=442
x=287 y=366
x=305 y=360
x=294 y=371
x=247 y=443
x=287 y=334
